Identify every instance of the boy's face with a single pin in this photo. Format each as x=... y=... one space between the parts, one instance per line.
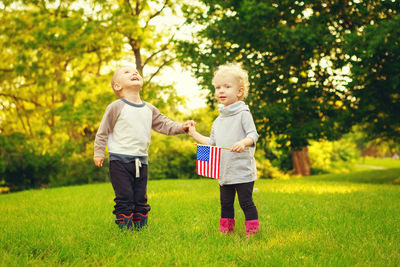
x=227 y=89
x=128 y=78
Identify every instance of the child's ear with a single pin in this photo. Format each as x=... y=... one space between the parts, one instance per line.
x=240 y=92
x=117 y=87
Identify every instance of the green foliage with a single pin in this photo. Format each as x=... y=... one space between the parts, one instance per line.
x=78 y=168
x=57 y=62
x=175 y=157
x=333 y=157
x=22 y=166
x=58 y=58
x=279 y=157
x=296 y=54
x=283 y=46
x=57 y=53
x=265 y=170
x=172 y=157
x=374 y=51
x=204 y=118
x=378 y=147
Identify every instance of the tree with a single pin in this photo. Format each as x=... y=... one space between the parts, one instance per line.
x=55 y=56
x=52 y=55
x=150 y=42
x=374 y=55
x=287 y=48
x=57 y=61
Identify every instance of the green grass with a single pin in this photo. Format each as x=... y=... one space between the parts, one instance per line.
x=364 y=163
x=327 y=220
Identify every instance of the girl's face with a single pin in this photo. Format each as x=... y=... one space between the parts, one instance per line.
x=227 y=88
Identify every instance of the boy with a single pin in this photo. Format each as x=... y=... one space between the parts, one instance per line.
x=126 y=128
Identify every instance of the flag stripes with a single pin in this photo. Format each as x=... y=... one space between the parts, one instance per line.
x=208 y=161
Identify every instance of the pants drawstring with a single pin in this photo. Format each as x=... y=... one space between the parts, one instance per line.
x=138 y=164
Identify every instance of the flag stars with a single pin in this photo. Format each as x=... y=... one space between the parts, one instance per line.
x=203 y=153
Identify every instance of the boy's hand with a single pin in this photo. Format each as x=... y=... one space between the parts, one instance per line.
x=98 y=162
x=238 y=147
x=188 y=124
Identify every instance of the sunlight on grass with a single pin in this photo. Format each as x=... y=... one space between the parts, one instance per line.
x=283 y=239
x=173 y=193
x=179 y=194
x=380 y=162
x=313 y=189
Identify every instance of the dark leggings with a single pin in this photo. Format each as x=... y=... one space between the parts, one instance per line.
x=245 y=195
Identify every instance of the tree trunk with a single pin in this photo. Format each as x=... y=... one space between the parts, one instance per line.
x=301 y=164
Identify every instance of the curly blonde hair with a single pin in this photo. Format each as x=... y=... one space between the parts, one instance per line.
x=238 y=72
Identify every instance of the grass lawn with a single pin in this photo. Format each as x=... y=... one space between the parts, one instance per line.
x=327 y=220
x=364 y=163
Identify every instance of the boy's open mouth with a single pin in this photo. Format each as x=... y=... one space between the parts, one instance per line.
x=135 y=79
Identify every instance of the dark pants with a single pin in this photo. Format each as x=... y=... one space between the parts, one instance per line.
x=130 y=192
x=245 y=195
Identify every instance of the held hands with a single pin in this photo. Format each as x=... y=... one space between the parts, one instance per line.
x=98 y=162
x=187 y=124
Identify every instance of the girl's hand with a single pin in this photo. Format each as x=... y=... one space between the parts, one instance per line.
x=238 y=147
x=191 y=130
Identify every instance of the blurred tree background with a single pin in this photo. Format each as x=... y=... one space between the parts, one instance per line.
x=316 y=67
x=325 y=81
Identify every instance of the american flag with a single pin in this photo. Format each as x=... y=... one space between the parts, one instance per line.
x=208 y=161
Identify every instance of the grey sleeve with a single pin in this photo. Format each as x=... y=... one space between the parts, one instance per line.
x=249 y=127
x=162 y=124
x=106 y=127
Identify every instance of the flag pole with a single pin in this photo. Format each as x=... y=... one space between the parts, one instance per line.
x=247 y=150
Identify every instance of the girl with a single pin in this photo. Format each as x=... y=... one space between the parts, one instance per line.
x=234 y=127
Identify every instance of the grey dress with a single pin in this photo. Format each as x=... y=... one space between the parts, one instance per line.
x=233 y=124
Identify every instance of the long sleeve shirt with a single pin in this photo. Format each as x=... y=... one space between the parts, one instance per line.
x=126 y=129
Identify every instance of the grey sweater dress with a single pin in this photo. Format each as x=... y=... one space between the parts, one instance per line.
x=233 y=124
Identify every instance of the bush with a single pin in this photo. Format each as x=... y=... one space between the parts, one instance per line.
x=23 y=166
x=172 y=157
x=80 y=169
x=332 y=157
x=265 y=170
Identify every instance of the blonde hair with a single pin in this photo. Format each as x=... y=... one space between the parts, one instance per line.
x=113 y=80
x=238 y=72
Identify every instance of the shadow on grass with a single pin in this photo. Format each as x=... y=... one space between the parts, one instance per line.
x=388 y=176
